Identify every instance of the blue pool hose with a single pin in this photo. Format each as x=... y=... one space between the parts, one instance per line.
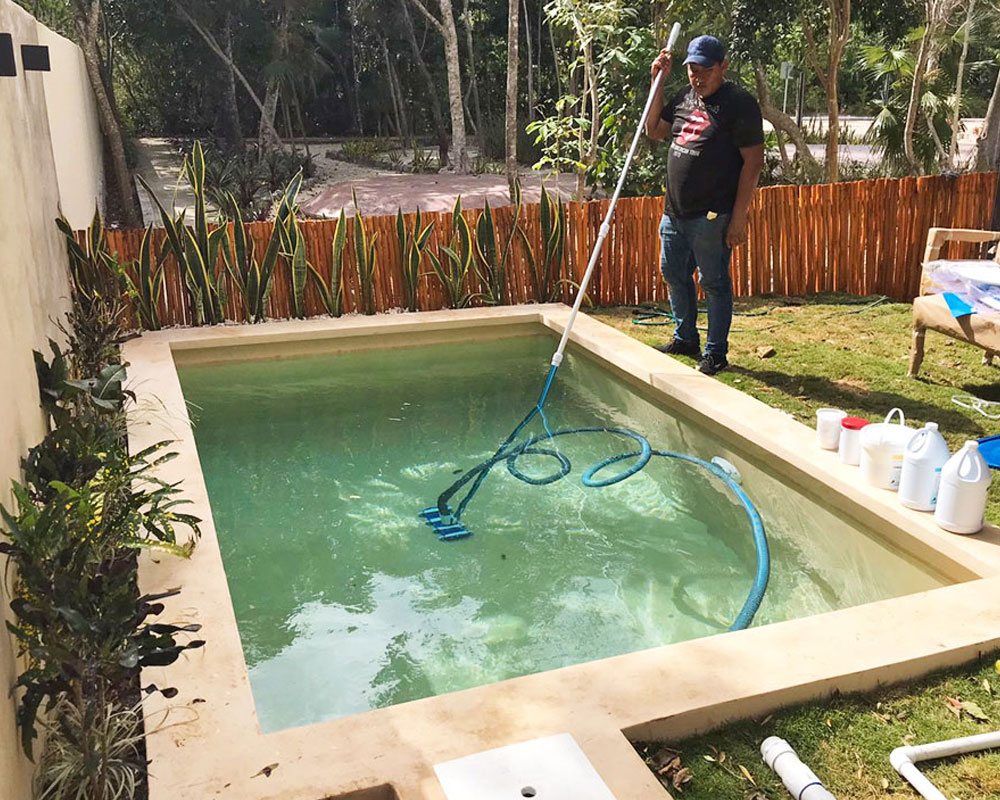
x=511 y=450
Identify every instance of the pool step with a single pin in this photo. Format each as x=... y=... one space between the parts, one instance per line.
x=447 y=528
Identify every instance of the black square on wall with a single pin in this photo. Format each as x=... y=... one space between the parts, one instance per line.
x=35 y=57
x=7 y=66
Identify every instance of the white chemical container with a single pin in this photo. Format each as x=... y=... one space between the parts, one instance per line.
x=962 y=496
x=925 y=455
x=882 y=446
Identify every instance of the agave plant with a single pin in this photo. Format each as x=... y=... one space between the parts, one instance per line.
x=364 y=256
x=458 y=259
x=253 y=279
x=294 y=250
x=412 y=244
x=146 y=288
x=546 y=277
x=197 y=251
x=93 y=269
x=493 y=263
x=332 y=293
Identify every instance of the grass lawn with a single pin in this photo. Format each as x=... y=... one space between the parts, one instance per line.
x=846 y=742
x=849 y=353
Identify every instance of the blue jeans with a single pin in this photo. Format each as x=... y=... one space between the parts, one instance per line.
x=699 y=242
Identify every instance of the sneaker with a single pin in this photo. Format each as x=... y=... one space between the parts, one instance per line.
x=710 y=364
x=678 y=347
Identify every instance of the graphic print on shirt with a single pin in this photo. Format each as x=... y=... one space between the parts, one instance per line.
x=694 y=126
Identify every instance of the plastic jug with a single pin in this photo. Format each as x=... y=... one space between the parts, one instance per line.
x=882 y=446
x=925 y=455
x=962 y=496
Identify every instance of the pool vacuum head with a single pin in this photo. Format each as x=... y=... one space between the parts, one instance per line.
x=447 y=528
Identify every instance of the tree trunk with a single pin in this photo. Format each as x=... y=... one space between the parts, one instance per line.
x=266 y=133
x=510 y=116
x=233 y=131
x=396 y=113
x=780 y=120
x=473 y=73
x=833 y=120
x=432 y=91
x=987 y=155
x=459 y=155
x=531 y=82
x=914 y=105
x=358 y=121
x=213 y=45
x=956 y=111
x=88 y=30
x=839 y=34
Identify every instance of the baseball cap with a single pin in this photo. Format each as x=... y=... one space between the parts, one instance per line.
x=706 y=51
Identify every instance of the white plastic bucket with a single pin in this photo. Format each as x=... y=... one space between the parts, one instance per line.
x=926 y=453
x=882 y=446
x=828 y=427
x=962 y=497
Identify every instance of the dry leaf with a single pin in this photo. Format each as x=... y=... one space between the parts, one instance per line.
x=769 y=717
x=972 y=708
x=708 y=758
x=883 y=717
x=954 y=702
x=747 y=775
x=986 y=686
x=722 y=757
x=266 y=771
x=682 y=776
x=829 y=723
x=672 y=765
x=885 y=783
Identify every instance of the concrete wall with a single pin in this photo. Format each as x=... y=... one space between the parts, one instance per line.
x=74 y=128
x=34 y=291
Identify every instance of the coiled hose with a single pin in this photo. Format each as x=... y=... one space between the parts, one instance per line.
x=511 y=450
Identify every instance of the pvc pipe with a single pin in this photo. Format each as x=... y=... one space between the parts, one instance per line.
x=557 y=357
x=904 y=759
x=800 y=781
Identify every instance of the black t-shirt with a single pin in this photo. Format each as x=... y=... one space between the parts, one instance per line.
x=703 y=169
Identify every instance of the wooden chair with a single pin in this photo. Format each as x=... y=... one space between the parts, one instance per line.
x=930 y=312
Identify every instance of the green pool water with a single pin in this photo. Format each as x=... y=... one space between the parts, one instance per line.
x=316 y=468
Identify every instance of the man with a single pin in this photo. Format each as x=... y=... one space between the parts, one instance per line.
x=716 y=155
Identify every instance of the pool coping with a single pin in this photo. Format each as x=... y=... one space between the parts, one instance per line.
x=206 y=741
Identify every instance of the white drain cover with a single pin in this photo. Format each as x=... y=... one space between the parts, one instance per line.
x=553 y=768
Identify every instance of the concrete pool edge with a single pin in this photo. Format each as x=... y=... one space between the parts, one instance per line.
x=210 y=744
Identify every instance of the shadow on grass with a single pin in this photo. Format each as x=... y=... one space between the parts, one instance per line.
x=874 y=404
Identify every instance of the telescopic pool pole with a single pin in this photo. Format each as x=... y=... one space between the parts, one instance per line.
x=441 y=517
x=557 y=357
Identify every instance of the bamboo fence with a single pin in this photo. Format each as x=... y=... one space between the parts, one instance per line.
x=861 y=238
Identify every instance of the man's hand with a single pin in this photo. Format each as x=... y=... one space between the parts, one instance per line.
x=736 y=233
x=661 y=63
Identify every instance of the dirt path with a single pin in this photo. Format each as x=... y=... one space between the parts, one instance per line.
x=435 y=192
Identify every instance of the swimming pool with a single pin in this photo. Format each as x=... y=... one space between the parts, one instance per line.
x=316 y=468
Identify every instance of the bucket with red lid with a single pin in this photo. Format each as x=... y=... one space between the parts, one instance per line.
x=849 y=449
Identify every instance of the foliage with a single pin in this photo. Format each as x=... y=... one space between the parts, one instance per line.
x=492 y=266
x=197 y=251
x=77 y=520
x=332 y=293
x=293 y=247
x=254 y=278
x=251 y=179
x=92 y=268
x=412 y=243
x=546 y=277
x=146 y=287
x=453 y=270
x=365 y=259
x=94 y=756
